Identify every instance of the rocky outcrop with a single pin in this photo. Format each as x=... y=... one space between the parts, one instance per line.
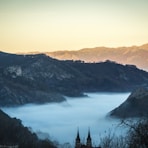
x=39 y=78
x=136 y=105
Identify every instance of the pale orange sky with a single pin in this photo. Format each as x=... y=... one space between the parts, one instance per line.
x=49 y=25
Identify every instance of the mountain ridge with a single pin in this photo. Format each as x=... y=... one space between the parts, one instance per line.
x=40 y=79
x=135 y=55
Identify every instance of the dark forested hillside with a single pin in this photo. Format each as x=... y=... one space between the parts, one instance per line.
x=12 y=132
x=39 y=78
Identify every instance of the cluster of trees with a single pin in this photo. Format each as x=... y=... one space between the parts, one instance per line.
x=136 y=137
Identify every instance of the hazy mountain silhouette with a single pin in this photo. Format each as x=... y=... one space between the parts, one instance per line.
x=135 y=55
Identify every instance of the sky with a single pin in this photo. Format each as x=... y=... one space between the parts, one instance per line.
x=51 y=25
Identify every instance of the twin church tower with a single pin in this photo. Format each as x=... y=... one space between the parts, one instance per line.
x=78 y=143
x=88 y=144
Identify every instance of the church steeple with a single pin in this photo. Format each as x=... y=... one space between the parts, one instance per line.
x=78 y=141
x=89 y=143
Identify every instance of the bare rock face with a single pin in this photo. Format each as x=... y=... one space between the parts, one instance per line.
x=136 y=105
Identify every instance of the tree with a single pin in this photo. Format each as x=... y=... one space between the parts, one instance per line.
x=138 y=134
x=136 y=137
x=112 y=141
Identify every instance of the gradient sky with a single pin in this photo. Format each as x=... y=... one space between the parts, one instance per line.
x=49 y=25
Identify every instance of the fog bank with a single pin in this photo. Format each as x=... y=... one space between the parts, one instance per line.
x=60 y=120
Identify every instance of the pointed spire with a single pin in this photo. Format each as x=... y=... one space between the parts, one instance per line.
x=78 y=136
x=89 y=144
x=78 y=142
x=89 y=133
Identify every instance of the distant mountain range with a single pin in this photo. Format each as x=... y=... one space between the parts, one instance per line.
x=39 y=78
x=135 y=55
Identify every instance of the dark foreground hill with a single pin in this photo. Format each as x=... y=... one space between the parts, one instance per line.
x=39 y=78
x=12 y=132
x=136 y=105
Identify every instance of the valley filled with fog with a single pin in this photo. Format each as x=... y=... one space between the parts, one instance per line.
x=60 y=121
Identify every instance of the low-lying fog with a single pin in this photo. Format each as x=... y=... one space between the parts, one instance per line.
x=61 y=120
